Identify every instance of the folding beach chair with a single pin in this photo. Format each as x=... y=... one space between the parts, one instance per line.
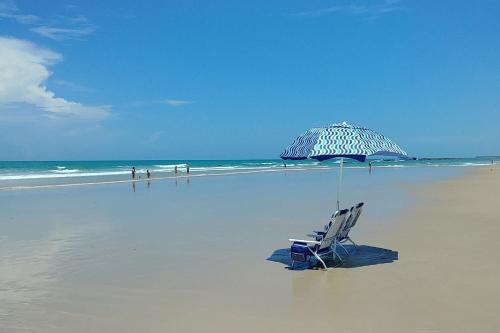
x=324 y=244
x=349 y=224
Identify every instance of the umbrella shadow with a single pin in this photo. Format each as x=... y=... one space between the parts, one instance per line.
x=362 y=255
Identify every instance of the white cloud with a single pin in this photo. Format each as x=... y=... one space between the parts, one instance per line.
x=176 y=102
x=64 y=33
x=24 y=69
x=59 y=28
x=9 y=10
x=370 y=11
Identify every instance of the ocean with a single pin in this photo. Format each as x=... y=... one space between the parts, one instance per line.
x=21 y=174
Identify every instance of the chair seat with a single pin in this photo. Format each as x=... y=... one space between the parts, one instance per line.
x=301 y=248
x=306 y=249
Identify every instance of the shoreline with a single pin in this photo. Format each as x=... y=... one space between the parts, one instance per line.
x=216 y=174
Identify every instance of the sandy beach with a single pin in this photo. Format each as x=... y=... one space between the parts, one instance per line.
x=162 y=162
x=211 y=254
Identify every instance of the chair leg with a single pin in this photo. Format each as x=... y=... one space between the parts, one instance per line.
x=350 y=240
x=336 y=254
x=340 y=258
x=320 y=260
x=343 y=248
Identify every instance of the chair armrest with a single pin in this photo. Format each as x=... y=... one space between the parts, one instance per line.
x=304 y=241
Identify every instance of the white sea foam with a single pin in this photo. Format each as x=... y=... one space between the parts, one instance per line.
x=169 y=166
x=20 y=187
x=62 y=175
x=65 y=170
x=265 y=163
x=229 y=168
x=474 y=164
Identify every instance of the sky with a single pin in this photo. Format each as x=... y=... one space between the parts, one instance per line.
x=124 y=79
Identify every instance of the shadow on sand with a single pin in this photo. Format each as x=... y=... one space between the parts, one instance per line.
x=359 y=256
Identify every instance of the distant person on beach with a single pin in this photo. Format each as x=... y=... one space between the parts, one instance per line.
x=133 y=172
x=370 y=167
x=187 y=168
x=284 y=164
x=175 y=169
x=148 y=173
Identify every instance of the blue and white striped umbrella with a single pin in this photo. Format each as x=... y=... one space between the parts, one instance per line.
x=341 y=141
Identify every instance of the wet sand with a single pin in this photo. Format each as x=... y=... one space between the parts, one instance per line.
x=211 y=255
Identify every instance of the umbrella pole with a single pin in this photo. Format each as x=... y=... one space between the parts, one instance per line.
x=340 y=182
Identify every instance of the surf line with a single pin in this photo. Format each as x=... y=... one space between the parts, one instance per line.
x=26 y=187
x=315 y=168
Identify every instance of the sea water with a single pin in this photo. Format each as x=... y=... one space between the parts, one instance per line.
x=20 y=174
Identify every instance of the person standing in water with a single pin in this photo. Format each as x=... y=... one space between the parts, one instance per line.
x=370 y=167
x=187 y=169
x=133 y=172
x=175 y=169
x=148 y=173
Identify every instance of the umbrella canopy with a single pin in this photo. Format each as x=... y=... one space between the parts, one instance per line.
x=341 y=140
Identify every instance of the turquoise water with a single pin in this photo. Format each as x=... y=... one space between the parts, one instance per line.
x=25 y=173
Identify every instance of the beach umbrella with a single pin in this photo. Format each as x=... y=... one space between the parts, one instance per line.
x=341 y=140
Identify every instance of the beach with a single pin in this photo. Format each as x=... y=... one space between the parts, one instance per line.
x=211 y=254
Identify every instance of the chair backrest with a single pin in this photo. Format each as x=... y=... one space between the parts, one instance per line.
x=355 y=213
x=351 y=221
x=338 y=220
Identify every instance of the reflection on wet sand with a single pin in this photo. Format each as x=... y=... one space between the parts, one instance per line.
x=30 y=270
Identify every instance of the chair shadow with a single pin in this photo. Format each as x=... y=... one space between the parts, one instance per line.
x=362 y=255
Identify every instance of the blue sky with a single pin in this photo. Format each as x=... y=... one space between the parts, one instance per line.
x=226 y=79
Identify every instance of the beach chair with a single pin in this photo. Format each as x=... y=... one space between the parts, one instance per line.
x=324 y=244
x=349 y=224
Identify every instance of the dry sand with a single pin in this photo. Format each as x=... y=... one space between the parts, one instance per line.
x=446 y=279
x=151 y=261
